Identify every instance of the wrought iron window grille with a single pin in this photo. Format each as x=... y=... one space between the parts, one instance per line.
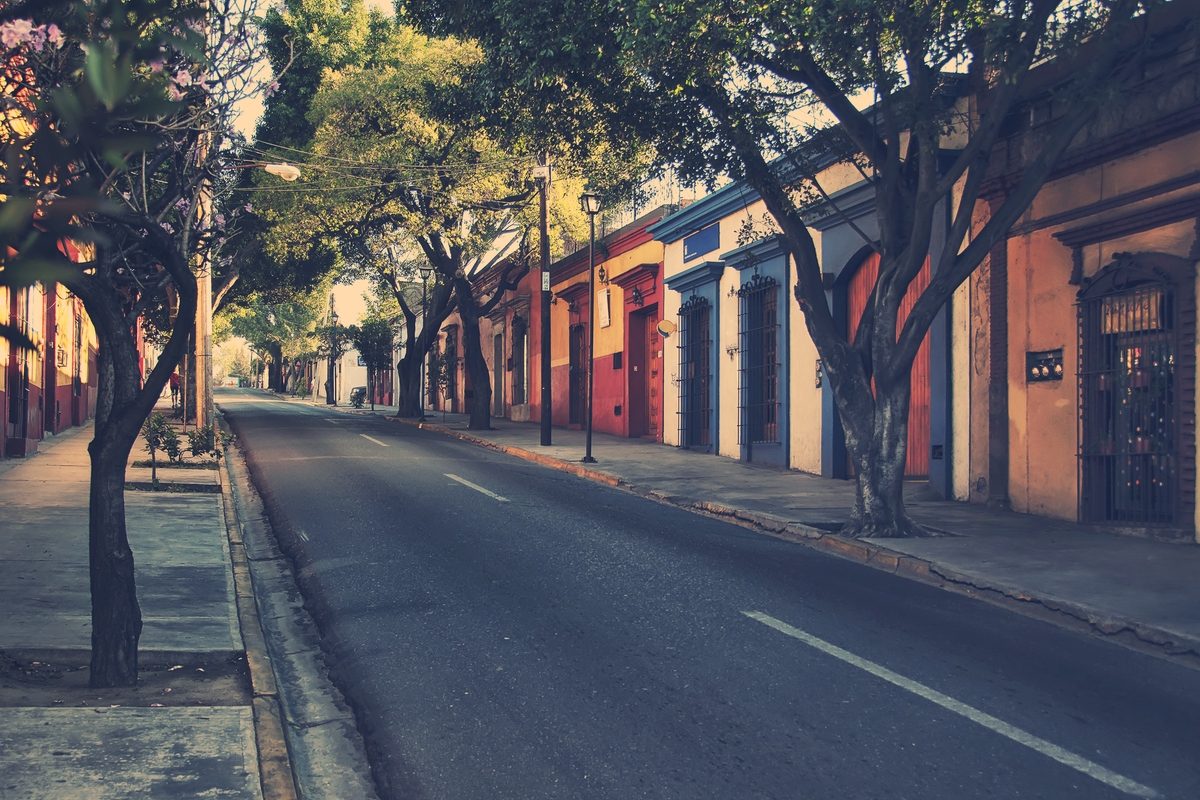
x=760 y=368
x=695 y=372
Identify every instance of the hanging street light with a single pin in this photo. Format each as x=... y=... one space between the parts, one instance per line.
x=283 y=171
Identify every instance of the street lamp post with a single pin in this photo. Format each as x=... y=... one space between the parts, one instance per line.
x=543 y=182
x=330 y=388
x=590 y=203
x=425 y=271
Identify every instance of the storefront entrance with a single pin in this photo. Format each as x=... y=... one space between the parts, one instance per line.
x=1136 y=384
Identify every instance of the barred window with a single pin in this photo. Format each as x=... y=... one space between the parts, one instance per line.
x=758 y=326
x=695 y=372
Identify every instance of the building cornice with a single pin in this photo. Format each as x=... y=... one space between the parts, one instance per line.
x=755 y=253
x=695 y=277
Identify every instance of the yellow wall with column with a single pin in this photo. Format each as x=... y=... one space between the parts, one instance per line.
x=610 y=339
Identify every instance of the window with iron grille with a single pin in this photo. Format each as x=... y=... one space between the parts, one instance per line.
x=76 y=383
x=1136 y=376
x=758 y=326
x=695 y=372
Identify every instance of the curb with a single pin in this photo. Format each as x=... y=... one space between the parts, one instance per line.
x=1122 y=630
x=274 y=765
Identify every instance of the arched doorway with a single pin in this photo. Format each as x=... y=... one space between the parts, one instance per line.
x=858 y=292
x=1136 y=390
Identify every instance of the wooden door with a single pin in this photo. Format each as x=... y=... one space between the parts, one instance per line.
x=653 y=362
x=498 y=375
x=859 y=291
x=577 y=380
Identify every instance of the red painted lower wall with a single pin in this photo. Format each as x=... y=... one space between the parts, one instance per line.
x=610 y=415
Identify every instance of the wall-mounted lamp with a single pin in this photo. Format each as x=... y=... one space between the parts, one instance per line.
x=637 y=298
x=731 y=351
x=602 y=276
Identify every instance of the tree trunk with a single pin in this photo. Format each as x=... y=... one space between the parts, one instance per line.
x=878 y=451
x=408 y=373
x=190 y=382
x=477 y=369
x=330 y=382
x=116 y=616
x=275 y=373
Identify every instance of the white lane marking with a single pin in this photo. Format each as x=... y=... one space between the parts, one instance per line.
x=475 y=486
x=373 y=439
x=329 y=419
x=1048 y=749
x=302 y=534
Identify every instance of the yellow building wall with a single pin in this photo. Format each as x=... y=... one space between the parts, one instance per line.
x=610 y=339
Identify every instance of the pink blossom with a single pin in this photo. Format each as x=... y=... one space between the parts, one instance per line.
x=174 y=93
x=183 y=78
x=272 y=88
x=37 y=38
x=55 y=36
x=156 y=66
x=248 y=208
x=15 y=32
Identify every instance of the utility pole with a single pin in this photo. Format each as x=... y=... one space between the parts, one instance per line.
x=544 y=240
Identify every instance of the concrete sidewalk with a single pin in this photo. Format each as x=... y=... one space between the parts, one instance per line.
x=1142 y=592
x=188 y=729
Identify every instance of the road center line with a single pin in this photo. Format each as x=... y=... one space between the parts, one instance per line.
x=1048 y=749
x=373 y=439
x=475 y=486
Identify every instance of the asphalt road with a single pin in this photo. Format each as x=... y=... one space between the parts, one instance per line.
x=508 y=631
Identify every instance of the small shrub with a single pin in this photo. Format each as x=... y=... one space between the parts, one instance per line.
x=203 y=442
x=158 y=434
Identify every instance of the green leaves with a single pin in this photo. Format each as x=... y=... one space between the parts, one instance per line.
x=108 y=73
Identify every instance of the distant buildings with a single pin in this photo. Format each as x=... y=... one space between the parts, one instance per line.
x=52 y=387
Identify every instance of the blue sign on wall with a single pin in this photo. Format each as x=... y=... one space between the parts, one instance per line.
x=702 y=241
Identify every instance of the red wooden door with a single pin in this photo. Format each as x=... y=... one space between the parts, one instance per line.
x=654 y=359
x=917 y=464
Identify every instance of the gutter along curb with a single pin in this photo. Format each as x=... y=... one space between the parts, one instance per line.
x=274 y=764
x=1121 y=629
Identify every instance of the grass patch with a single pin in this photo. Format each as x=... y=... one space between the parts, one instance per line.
x=145 y=462
x=172 y=486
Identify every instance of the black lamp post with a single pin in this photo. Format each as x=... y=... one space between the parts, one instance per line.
x=330 y=388
x=425 y=271
x=590 y=203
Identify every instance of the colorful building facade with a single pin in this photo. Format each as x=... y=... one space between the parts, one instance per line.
x=745 y=380
x=52 y=387
x=630 y=351
x=1083 y=334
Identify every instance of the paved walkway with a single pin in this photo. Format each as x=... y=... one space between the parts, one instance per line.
x=131 y=748
x=1116 y=584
